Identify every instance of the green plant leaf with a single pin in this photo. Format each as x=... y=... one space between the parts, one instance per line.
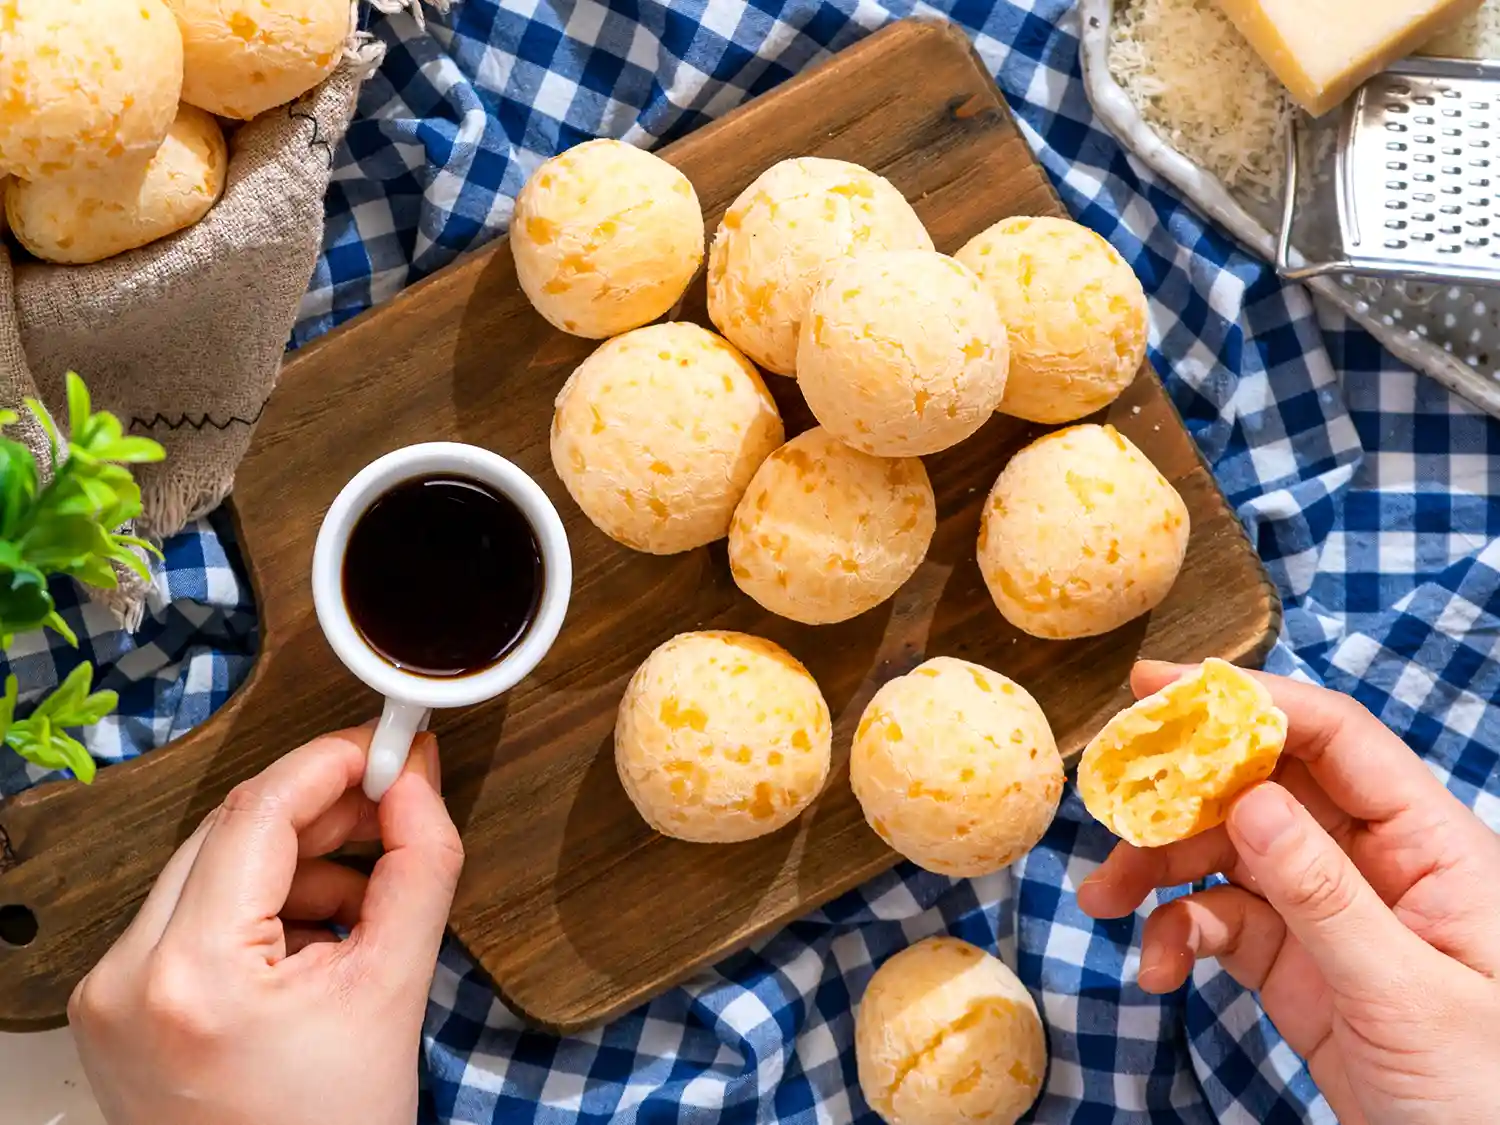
x=39 y=412
x=79 y=406
x=25 y=602
x=42 y=738
x=66 y=526
x=144 y=544
x=95 y=708
x=131 y=451
x=8 y=704
x=18 y=485
x=67 y=695
x=59 y=626
x=131 y=561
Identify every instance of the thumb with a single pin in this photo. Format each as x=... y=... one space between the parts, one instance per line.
x=1351 y=935
x=411 y=888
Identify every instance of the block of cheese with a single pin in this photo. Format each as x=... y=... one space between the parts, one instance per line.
x=1323 y=49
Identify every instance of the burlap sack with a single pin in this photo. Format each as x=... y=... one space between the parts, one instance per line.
x=183 y=339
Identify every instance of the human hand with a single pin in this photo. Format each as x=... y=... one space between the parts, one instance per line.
x=1363 y=907
x=228 y=1000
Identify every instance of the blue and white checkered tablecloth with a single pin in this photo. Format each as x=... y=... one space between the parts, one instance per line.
x=1372 y=494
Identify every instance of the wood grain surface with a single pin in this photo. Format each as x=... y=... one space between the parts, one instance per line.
x=575 y=909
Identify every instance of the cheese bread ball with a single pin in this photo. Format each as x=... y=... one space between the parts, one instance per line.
x=1075 y=311
x=1169 y=766
x=77 y=221
x=955 y=767
x=243 y=57
x=825 y=532
x=657 y=434
x=795 y=219
x=901 y=353
x=1080 y=534
x=945 y=1034
x=606 y=238
x=722 y=737
x=4 y=222
x=87 y=87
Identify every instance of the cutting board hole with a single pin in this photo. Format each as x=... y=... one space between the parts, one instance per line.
x=17 y=925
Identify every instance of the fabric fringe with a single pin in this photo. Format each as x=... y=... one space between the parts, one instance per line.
x=172 y=505
x=362 y=50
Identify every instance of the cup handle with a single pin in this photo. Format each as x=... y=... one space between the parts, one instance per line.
x=391 y=743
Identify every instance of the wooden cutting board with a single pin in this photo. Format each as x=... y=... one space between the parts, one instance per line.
x=572 y=905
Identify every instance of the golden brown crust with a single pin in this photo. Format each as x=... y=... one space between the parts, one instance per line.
x=606 y=237
x=80 y=221
x=722 y=737
x=945 y=1034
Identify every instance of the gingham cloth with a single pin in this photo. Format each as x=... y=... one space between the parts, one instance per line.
x=1371 y=493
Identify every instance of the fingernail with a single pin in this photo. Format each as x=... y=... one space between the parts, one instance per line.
x=419 y=761
x=1262 y=816
x=1158 y=665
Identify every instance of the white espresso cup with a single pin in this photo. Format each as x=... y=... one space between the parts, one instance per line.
x=410 y=697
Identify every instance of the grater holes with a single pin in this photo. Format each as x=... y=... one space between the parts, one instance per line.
x=1395 y=165
x=1395 y=224
x=1398 y=127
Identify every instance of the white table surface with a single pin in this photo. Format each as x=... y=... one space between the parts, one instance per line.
x=41 y=1082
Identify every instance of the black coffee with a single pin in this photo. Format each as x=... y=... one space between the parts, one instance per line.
x=442 y=576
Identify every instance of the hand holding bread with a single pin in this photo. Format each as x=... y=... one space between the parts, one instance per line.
x=1360 y=907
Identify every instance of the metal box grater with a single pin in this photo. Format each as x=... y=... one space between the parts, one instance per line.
x=1415 y=179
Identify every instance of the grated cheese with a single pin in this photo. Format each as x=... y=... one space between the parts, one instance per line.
x=1477 y=37
x=1199 y=84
